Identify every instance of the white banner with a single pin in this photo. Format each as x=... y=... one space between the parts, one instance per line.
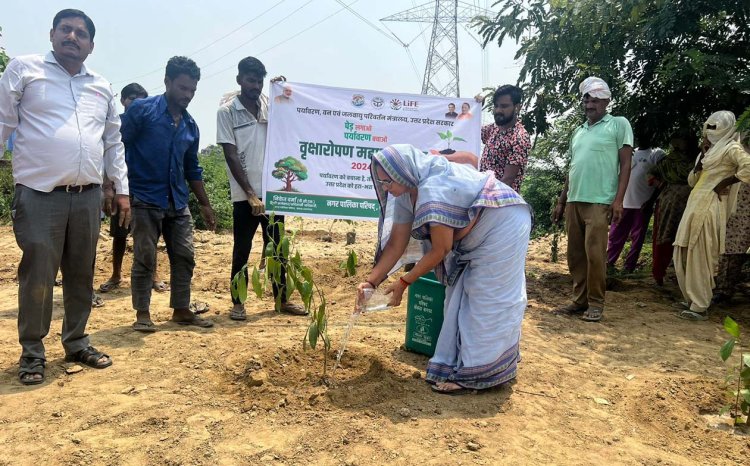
x=321 y=139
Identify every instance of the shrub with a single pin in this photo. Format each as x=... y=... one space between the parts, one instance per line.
x=216 y=181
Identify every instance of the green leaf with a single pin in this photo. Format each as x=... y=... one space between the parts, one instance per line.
x=745 y=394
x=270 y=250
x=277 y=303
x=745 y=375
x=257 y=285
x=459 y=139
x=449 y=134
x=242 y=286
x=290 y=286
x=306 y=293
x=732 y=327
x=234 y=286
x=312 y=334
x=285 y=248
x=297 y=260
x=746 y=359
x=443 y=136
x=725 y=409
x=726 y=349
x=307 y=274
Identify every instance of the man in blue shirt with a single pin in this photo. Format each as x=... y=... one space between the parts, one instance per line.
x=162 y=140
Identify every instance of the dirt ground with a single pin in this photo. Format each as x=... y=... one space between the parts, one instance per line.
x=642 y=387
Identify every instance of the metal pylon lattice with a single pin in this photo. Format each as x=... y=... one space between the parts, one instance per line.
x=442 y=56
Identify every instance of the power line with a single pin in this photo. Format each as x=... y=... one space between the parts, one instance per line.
x=192 y=54
x=285 y=40
x=369 y=23
x=259 y=34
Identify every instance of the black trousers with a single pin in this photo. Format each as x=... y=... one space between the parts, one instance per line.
x=245 y=224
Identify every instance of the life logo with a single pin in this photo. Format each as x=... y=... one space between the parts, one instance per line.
x=396 y=104
x=410 y=105
x=358 y=100
x=377 y=102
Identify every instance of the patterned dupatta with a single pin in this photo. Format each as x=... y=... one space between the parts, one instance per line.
x=448 y=193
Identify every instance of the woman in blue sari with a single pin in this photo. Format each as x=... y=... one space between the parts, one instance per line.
x=475 y=231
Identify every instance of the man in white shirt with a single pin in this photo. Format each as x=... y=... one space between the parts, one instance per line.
x=67 y=131
x=637 y=206
x=241 y=126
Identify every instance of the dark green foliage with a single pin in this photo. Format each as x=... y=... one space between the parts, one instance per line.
x=670 y=63
x=7 y=188
x=4 y=59
x=217 y=188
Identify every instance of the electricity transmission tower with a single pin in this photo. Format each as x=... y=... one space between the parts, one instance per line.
x=442 y=55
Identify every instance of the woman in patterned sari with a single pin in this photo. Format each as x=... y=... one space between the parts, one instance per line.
x=475 y=231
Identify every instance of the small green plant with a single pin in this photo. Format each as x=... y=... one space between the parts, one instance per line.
x=449 y=137
x=554 y=246
x=739 y=393
x=349 y=266
x=299 y=278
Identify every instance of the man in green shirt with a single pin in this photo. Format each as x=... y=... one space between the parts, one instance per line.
x=600 y=157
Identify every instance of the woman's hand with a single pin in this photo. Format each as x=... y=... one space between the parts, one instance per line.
x=397 y=292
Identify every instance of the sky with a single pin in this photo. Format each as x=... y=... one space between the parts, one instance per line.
x=135 y=38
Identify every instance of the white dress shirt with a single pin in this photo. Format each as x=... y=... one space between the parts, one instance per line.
x=67 y=127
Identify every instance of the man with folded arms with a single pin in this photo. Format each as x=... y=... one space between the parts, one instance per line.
x=67 y=130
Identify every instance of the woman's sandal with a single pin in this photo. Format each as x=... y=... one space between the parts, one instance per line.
x=28 y=368
x=89 y=357
x=451 y=391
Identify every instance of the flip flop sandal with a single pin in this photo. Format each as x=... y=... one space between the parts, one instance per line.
x=693 y=315
x=592 y=314
x=89 y=357
x=160 y=286
x=571 y=309
x=451 y=392
x=293 y=309
x=681 y=305
x=144 y=326
x=238 y=314
x=197 y=321
x=199 y=307
x=28 y=367
x=109 y=285
x=97 y=301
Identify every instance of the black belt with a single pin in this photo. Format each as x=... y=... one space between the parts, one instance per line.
x=72 y=188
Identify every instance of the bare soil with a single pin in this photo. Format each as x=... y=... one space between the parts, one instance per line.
x=641 y=387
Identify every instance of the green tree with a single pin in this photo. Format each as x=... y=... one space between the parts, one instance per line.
x=4 y=59
x=288 y=170
x=670 y=63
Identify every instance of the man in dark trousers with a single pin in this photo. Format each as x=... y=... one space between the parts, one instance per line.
x=241 y=126
x=58 y=177
x=162 y=140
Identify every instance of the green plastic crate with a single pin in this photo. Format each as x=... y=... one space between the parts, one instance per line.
x=424 y=314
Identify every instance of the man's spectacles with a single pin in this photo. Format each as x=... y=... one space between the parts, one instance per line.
x=385 y=183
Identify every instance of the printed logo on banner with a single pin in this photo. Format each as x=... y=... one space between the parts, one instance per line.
x=396 y=104
x=358 y=100
x=377 y=102
x=411 y=105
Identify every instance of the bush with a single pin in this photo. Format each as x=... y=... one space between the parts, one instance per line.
x=216 y=182
x=540 y=189
x=7 y=188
